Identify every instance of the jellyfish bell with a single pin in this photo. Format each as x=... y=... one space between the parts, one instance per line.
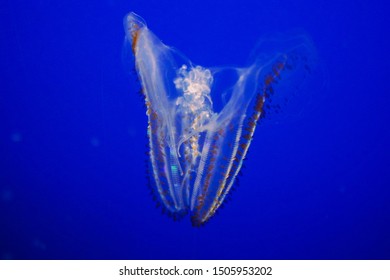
x=201 y=120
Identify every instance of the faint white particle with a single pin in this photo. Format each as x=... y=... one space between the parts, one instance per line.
x=6 y=195
x=16 y=137
x=95 y=142
x=342 y=188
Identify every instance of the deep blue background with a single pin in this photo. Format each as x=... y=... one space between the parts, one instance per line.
x=72 y=135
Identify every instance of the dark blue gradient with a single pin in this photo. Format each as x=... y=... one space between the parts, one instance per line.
x=73 y=135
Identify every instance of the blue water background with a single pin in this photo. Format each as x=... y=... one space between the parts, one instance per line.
x=73 y=134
